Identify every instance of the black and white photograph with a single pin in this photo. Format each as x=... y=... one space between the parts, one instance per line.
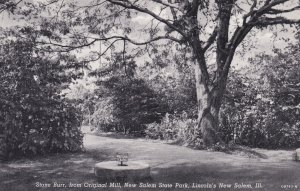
x=149 y=95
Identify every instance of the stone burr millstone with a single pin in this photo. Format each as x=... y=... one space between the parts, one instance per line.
x=135 y=170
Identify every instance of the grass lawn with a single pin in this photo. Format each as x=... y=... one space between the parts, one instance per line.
x=169 y=164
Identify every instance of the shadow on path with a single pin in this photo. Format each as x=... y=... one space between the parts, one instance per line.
x=169 y=164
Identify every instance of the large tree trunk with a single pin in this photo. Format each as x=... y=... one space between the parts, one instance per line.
x=209 y=97
x=210 y=91
x=209 y=103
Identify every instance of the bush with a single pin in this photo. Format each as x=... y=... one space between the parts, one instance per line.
x=256 y=115
x=34 y=118
x=39 y=129
x=178 y=128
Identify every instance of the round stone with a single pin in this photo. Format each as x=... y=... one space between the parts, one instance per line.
x=135 y=170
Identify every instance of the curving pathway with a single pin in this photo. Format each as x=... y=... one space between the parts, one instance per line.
x=177 y=164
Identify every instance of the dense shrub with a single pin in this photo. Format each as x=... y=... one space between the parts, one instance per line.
x=178 y=128
x=34 y=118
x=264 y=130
x=263 y=111
x=39 y=129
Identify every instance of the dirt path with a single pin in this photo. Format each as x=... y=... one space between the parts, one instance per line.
x=169 y=164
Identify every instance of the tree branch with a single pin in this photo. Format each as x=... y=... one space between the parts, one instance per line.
x=277 y=11
x=129 y=5
x=104 y=52
x=8 y=5
x=265 y=21
x=268 y=7
x=125 y=38
x=257 y=19
x=211 y=39
x=251 y=12
x=166 y=4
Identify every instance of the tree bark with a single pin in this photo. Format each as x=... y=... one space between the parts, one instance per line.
x=209 y=103
x=210 y=93
x=208 y=97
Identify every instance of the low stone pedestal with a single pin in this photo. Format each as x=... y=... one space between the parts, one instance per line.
x=134 y=171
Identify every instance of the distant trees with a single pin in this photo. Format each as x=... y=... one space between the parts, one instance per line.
x=135 y=104
x=125 y=103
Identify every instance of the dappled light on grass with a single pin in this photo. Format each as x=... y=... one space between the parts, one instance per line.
x=55 y=168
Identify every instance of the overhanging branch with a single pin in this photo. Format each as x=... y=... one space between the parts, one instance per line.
x=129 y=5
x=278 y=11
x=116 y=38
x=265 y=21
x=166 y=4
x=255 y=17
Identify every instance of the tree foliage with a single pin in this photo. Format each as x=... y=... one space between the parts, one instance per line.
x=131 y=101
x=175 y=82
x=206 y=31
x=201 y=27
x=263 y=110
